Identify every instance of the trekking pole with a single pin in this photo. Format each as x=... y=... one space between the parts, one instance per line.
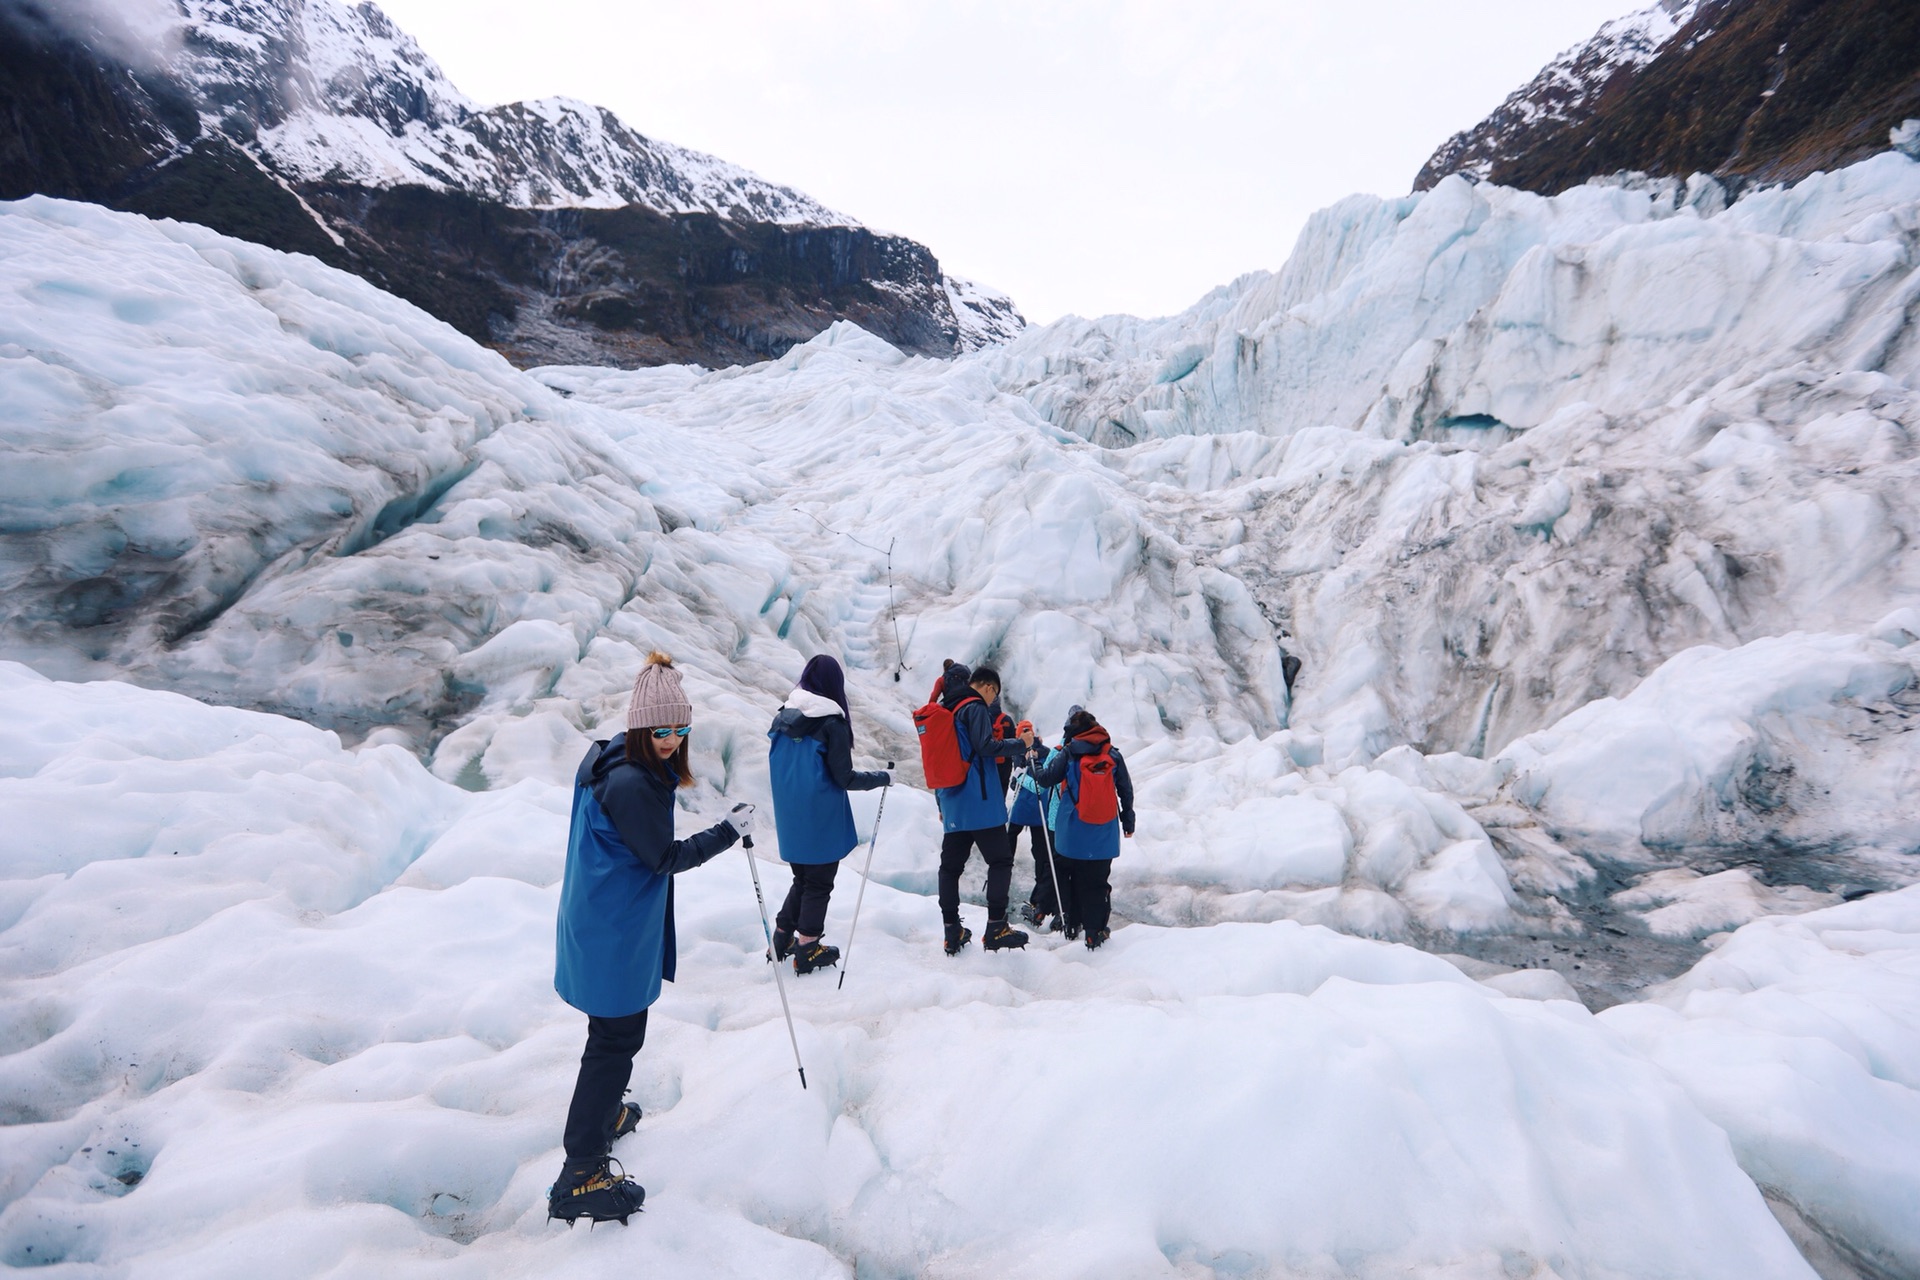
x=753 y=866
x=1053 y=869
x=864 y=876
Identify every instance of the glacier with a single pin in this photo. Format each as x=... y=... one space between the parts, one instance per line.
x=1587 y=520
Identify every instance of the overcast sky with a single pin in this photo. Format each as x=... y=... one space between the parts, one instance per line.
x=1085 y=156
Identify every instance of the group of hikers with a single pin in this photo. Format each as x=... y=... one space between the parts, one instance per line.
x=615 y=935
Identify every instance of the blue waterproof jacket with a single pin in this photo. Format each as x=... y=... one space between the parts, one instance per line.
x=1026 y=811
x=981 y=801
x=810 y=760
x=614 y=940
x=1073 y=838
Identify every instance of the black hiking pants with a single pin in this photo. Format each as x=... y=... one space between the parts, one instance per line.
x=1086 y=892
x=805 y=910
x=605 y=1068
x=955 y=848
x=1044 y=899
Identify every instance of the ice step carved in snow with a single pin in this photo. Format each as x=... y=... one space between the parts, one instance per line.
x=861 y=643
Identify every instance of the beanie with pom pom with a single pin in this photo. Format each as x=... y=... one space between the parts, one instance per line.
x=658 y=699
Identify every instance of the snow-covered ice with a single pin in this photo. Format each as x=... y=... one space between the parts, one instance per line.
x=308 y=1027
x=1590 y=518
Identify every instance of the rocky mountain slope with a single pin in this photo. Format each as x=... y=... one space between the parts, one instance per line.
x=548 y=230
x=1746 y=90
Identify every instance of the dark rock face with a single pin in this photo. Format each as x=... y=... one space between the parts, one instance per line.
x=632 y=286
x=1751 y=90
x=627 y=286
x=1565 y=93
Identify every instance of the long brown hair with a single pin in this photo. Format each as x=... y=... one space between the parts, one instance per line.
x=674 y=769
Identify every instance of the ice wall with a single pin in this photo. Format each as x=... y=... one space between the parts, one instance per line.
x=238 y=473
x=1485 y=456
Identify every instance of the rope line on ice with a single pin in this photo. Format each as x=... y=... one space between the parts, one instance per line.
x=893 y=612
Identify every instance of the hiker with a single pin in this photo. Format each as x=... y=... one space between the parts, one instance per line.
x=957 y=747
x=1027 y=814
x=1004 y=730
x=810 y=758
x=1093 y=810
x=614 y=943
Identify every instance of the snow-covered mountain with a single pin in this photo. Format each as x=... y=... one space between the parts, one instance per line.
x=549 y=230
x=1745 y=90
x=987 y=317
x=327 y=91
x=1566 y=92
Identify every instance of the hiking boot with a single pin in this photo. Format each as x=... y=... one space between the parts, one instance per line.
x=1000 y=936
x=1073 y=932
x=782 y=945
x=1033 y=915
x=1097 y=936
x=808 y=956
x=590 y=1189
x=958 y=936
x=625 y=1120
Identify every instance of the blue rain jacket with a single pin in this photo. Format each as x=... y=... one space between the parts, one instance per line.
x=1073 y=838
x=1026 y=810
x=810 y=760
x=980 y=801
x=614 y=941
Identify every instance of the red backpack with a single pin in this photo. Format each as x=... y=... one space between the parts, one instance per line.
x=1097 y=799
x=940 y=757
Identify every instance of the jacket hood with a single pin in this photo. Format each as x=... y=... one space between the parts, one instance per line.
x=605 y=759
x=1089 y=742
x=808 y=703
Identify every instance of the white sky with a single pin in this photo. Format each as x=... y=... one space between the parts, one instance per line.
x=1086 y=156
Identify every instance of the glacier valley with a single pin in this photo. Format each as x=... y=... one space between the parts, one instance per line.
x=1510 y=610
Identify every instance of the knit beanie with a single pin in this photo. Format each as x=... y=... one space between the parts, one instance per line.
x=954 y=683
x=658 y=700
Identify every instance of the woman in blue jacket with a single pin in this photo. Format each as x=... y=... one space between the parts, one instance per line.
x=1027 y=813
x=1086 y=850
x=810 y=759
x=614 y=940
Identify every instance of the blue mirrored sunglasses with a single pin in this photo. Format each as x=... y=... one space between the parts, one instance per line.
x=681 y=732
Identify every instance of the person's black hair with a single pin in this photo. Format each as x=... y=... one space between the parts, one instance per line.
x=986 y=675
x=675 y=769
